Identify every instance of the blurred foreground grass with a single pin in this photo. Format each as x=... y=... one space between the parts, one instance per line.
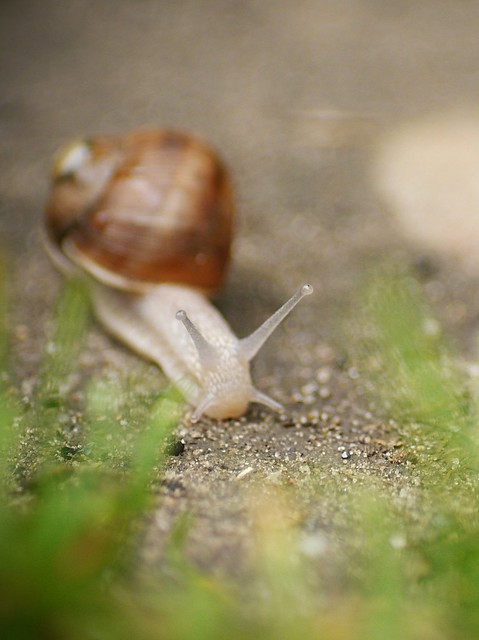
x=72 y=516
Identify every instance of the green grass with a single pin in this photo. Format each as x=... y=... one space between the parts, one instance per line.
x=74 y=507
x=66 y=522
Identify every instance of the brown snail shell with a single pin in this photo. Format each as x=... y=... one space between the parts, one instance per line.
x=148 y=207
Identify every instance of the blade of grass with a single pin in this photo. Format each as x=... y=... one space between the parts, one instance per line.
x=9 y=412
x=418 y=379
x=50 y=400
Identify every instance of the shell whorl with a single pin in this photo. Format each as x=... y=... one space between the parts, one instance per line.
x=145 y=208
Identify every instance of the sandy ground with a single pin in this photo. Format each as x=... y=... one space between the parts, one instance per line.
x=296 y=96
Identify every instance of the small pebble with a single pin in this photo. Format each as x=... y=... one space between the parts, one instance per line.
x=245 y=472
x=324 y=375
x=309 y=389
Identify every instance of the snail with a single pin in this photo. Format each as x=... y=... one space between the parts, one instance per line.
x=148 y=218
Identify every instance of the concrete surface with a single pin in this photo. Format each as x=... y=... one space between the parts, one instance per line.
x=295 y=95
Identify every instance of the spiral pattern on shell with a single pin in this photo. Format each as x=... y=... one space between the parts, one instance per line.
x=148 y=207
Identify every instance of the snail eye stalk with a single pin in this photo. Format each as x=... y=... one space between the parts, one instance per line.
x=250 y=346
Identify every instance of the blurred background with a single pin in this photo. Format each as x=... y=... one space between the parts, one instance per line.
x=296 y=96
x=259 y=79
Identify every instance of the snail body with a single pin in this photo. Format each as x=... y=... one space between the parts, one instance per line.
x=148 y=217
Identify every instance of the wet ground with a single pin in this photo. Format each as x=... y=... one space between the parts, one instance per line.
x=298 y=97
